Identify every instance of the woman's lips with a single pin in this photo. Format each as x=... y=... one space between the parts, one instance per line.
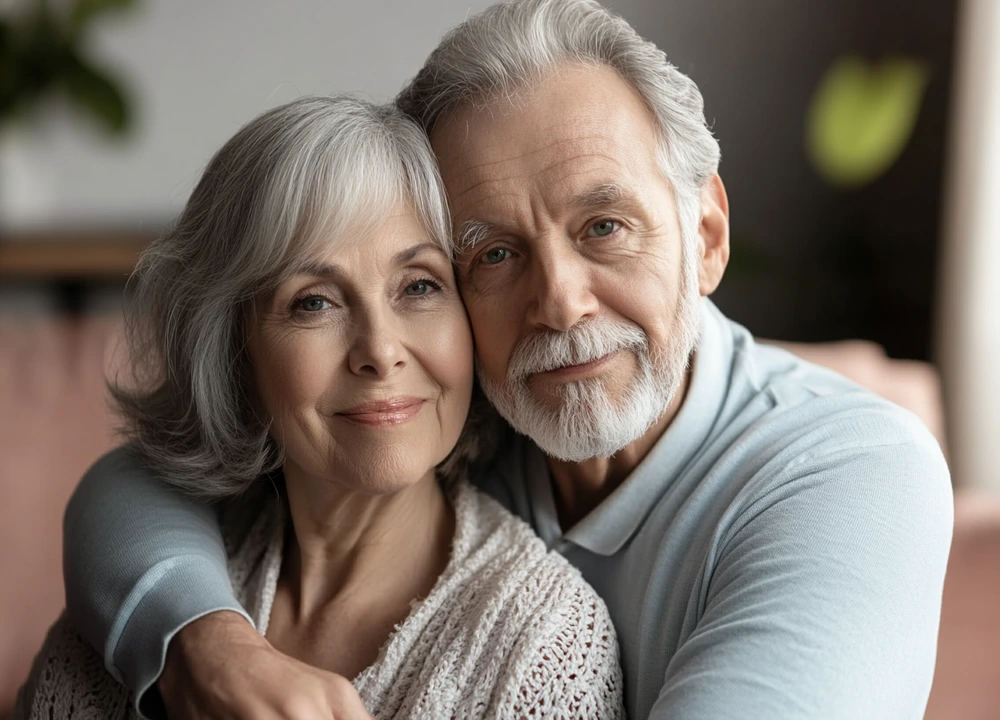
x=382 y=413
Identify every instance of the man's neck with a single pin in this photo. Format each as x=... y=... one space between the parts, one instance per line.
x=579 y=487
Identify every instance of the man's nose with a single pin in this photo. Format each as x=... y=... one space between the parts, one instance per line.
x=561 y=289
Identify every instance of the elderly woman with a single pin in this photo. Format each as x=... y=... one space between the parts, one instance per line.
x=301 y=354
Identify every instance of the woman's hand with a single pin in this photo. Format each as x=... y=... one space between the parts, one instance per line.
x=220 y=668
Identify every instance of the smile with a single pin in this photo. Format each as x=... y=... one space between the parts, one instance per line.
x=384 y=413
x=568 y=372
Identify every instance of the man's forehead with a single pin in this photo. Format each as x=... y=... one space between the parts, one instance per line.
x=468 y=152
x=483 y=176
x=498 y=187
x=579 y=129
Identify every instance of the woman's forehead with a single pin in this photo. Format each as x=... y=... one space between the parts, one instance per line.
x=396 y=237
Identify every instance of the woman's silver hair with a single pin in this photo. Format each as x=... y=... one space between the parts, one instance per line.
x=513 y=45
x=294 y=179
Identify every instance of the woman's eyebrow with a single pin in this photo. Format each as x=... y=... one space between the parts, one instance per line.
x=335 y=272
x=321 y=270
x=405 y=256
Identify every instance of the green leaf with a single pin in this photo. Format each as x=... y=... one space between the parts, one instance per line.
x=84 y=10
x=29 y=57
x=862 y=116
x=97 y=93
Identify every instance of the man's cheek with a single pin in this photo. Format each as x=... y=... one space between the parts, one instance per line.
x=496 y=363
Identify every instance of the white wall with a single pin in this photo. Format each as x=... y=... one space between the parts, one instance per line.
x=969 y=318
x=198 y=70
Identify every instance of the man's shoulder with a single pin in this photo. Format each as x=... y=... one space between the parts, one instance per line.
x=826 y=446
x=819 y=411
x=791 y=428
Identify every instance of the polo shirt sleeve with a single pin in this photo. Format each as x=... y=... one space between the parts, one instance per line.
x=822 y=597
x=140 y=561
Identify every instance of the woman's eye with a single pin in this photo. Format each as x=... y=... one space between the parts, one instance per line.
x=496 y=255
x=602 y=228
x=314 y=304
x=418 y=288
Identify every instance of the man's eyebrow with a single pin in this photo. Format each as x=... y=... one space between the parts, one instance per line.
x=471 y=233
x=603 y=194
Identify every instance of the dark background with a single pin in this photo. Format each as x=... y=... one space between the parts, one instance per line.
x=810 y=262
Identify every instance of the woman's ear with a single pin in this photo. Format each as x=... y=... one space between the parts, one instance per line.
x=713 y=233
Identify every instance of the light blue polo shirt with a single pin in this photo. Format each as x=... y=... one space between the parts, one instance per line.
x=779 y=553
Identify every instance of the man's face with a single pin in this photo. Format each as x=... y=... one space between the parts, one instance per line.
x=572 y=270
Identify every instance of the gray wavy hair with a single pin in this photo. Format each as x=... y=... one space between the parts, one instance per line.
x=511 y=46
x=286 y=183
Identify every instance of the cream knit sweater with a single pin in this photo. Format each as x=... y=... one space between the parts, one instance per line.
x=508 y=631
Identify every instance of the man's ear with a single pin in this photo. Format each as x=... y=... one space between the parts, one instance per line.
x=713 y=235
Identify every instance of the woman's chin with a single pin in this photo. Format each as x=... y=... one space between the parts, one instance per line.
x=390 y=484
x=369 y=469
x=377 y=478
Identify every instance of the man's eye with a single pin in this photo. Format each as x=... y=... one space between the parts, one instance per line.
x=602 y=228
x=496 y=255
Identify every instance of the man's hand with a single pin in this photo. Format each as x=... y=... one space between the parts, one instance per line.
x=220 y=668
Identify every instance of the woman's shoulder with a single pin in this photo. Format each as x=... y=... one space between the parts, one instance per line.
x=487 y=532
x=491 y=543
x=68 y=680
x=541 y=616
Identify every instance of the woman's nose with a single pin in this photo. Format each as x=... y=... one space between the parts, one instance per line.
x=377 y=350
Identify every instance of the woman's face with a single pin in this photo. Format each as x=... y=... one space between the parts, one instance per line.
x=364 y=361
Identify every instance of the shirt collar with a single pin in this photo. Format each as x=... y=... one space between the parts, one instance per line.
x=612 y=523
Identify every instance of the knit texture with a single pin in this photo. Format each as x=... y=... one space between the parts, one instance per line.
x=509 y=630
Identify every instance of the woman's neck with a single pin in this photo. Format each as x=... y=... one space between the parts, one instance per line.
x=365 y=547
x=353 y=565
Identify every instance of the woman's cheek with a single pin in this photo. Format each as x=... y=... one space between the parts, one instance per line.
x=445 y=340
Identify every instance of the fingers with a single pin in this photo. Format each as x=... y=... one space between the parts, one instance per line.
x=345 y=701
x=219 y=668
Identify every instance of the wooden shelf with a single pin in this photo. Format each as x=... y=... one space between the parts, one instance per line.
x=92 y=256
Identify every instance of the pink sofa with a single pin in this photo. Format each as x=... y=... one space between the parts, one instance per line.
x=54 y=424
x=967 y=678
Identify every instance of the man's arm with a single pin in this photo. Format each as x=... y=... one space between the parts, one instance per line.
x=140 y=561
x=826 y=594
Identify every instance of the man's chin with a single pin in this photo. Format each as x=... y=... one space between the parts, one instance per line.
x=571 y=450
x=574 y=434
x=557 y=396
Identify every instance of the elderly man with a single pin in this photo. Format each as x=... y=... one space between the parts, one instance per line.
x=770 y=540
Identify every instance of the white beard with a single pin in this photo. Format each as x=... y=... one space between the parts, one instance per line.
x=589 y=421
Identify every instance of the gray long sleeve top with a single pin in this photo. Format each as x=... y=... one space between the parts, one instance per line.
x=780 y=552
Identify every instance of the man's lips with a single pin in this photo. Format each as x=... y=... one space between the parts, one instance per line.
x=568 y=371
x=393 y=411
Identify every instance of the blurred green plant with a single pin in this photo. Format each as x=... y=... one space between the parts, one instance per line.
x=862 y=116
x=42 y=53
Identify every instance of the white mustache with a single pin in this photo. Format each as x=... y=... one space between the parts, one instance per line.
x=550 y=350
